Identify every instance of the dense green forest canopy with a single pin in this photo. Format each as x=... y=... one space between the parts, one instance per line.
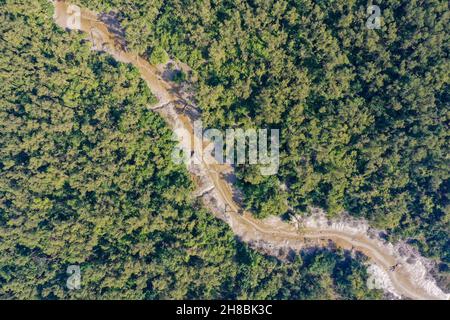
x=86 y=178
x=363 y=112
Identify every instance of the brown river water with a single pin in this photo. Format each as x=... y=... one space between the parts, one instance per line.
x=271 y=236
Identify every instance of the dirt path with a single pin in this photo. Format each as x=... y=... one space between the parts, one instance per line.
x=270 y=234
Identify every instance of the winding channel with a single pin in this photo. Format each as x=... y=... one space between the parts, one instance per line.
x=268 y=235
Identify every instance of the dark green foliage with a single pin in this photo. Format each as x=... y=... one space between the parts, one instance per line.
x=86 y=178
x=179 y=76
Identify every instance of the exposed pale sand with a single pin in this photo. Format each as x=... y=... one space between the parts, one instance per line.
x=271 y=235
